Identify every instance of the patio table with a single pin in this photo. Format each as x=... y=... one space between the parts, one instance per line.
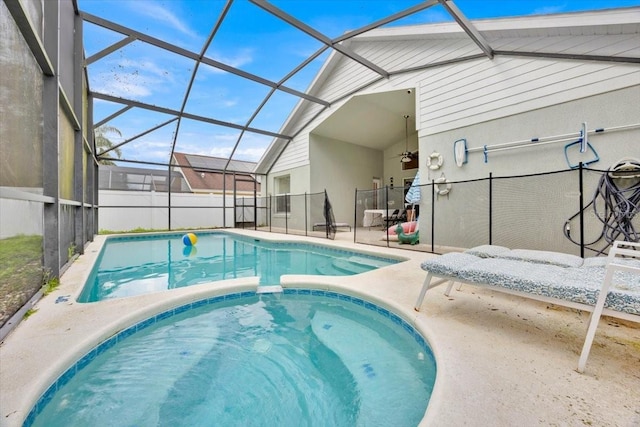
x=374 y=217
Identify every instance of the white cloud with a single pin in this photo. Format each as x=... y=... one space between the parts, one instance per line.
x=221 y=145
x=162 y=15
x=247 y=154
x=250 y=154
x=241 y=57
x=229 y=103
x=546 y=10
x=217 y=152
x=126 y=78
x=150 y=145
x=237 y=60
x=149 y=150
x=157 y=148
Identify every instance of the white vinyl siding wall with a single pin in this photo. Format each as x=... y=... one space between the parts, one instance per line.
x=297 y=152
x=463 y=95
x=469 y=92
x=474 y=91
x=295 y=155
x=477 y=90
x=346 y=77
x=403 y=54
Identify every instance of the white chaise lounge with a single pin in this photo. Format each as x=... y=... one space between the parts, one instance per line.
x=609 y=286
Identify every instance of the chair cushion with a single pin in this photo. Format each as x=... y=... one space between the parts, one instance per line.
x=595 y=262
x=448 y=264
x=577 y=284
x=487 y=251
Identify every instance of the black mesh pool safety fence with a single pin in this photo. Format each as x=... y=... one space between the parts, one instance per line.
x=579 y=211
x=301 y=214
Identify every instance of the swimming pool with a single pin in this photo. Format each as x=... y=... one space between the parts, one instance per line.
x=305 y=357
x=134 y=265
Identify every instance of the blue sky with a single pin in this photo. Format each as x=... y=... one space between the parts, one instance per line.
x=249 y=39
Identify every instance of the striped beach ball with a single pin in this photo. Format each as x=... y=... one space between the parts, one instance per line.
x=189 y=239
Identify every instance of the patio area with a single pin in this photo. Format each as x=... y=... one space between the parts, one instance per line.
x=369 y=236
x=142 y=116
x=501 y=360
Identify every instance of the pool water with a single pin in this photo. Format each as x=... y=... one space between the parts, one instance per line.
x=302 y=358
x=134 y=265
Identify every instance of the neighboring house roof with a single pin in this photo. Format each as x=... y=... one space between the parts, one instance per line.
x=204 y=173
x=449 y=43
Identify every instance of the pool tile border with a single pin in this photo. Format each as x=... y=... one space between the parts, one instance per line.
x=66 y=376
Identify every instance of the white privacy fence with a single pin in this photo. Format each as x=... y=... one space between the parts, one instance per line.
x=28 y=222
x=129 y=210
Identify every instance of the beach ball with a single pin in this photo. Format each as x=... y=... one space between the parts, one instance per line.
x=189 y=239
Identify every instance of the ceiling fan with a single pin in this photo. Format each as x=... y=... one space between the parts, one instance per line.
x=407 y=155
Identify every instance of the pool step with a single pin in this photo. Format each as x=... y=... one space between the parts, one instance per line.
x=328 y=270
x=371 y=263
x=347 y=266
x=372 y=364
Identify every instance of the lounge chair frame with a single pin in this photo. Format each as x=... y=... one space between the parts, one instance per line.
x=618 y=250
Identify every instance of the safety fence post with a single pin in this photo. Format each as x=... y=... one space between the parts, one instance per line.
x=270 y=213
x=355 y=216
x=433 y=215
x=581 y=192
x=386 y=198
x=490 y=208
x=306 y=225
x=287 y=206
x=255 y=204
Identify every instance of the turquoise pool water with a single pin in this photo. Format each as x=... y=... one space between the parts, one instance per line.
x=302 y=358
x=134 y=265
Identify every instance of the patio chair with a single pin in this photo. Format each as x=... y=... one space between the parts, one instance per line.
x=402 y=217
x=393 y=218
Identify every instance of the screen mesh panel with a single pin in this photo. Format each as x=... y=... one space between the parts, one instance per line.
x=461 y=217
x=140 y=179
x=21 y=254
x=290 y=213
x=530 y=212
x=540 y=211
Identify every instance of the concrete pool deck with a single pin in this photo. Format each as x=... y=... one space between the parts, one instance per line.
x=502 y=360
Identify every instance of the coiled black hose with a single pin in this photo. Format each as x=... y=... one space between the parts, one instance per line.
x=615 y=207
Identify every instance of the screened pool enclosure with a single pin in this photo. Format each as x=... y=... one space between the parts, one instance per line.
x=85 y=108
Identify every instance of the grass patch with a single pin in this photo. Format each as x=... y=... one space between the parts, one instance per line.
x=29 y=313
x=20 y=272
x=50 y=284
x=18 y=251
